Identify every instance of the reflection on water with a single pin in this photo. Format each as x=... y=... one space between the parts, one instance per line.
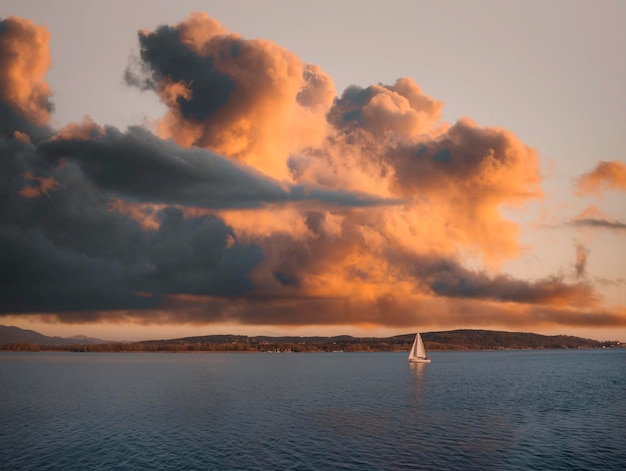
x=418 y=376
x=354 y=411
x=418 y=370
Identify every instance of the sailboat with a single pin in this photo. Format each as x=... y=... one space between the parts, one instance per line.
x=417 y=354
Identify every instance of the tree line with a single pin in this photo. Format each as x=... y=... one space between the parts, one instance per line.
x=465 y=339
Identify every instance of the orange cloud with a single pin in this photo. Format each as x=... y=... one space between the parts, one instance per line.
x=39 y=186
x=462 y=173
x=399 y=111
x=88 y=129
x=24 y=61
x=272 y=201
x=383 y=139
x=144 y=213
x=243 y=98
x=23 y=137
x=251 y=100
x=606 y=176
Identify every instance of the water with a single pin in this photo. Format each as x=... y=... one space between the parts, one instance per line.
x=505 y=410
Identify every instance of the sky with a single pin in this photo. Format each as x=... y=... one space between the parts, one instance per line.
x=171 y=169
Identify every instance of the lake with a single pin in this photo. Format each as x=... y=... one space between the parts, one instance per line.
x=496 y=410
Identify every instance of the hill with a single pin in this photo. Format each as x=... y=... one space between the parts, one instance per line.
x=10 y=335
x=467 y=339
x=14 y=338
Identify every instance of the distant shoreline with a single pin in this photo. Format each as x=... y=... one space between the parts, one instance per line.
x=15 y=339
x=54 y=349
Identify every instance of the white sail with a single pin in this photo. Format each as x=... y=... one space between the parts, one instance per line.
x=418 y=352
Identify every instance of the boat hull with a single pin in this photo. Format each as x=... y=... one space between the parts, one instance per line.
x=419 y=360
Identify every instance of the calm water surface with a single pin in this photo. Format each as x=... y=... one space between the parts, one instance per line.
x=505 y=410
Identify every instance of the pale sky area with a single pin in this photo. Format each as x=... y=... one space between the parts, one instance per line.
x=552 y=73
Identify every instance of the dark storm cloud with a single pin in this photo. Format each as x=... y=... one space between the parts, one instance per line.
x=448 y=278
x=142 y=166
x=12 y=122
x=138 y=164
x=66 y=250
x=67 y=246
x=164 y=56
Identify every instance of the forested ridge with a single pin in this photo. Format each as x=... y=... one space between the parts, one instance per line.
x=463 y=339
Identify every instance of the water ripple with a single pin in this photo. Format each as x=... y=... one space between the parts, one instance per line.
x=487 y=410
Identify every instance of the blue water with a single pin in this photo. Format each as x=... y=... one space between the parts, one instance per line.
x=504 y=410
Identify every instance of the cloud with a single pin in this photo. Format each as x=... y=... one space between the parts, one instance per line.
x=70 y=250
x=401 y=110
x=389 y=311
x=139 y=165
x=461 y=173
x=94 y=221
x=593 y=217
x=24 y=59
x=38 y=186
x=582 y=253
x=600 y=223
x=264 y=198
x=250 y=100
x=606 y=176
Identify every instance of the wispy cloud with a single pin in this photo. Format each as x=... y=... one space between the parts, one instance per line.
x=606 y=176
x=593 y=217
x=600 y=223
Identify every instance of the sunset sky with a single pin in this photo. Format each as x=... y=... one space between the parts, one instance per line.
x=170 y=169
